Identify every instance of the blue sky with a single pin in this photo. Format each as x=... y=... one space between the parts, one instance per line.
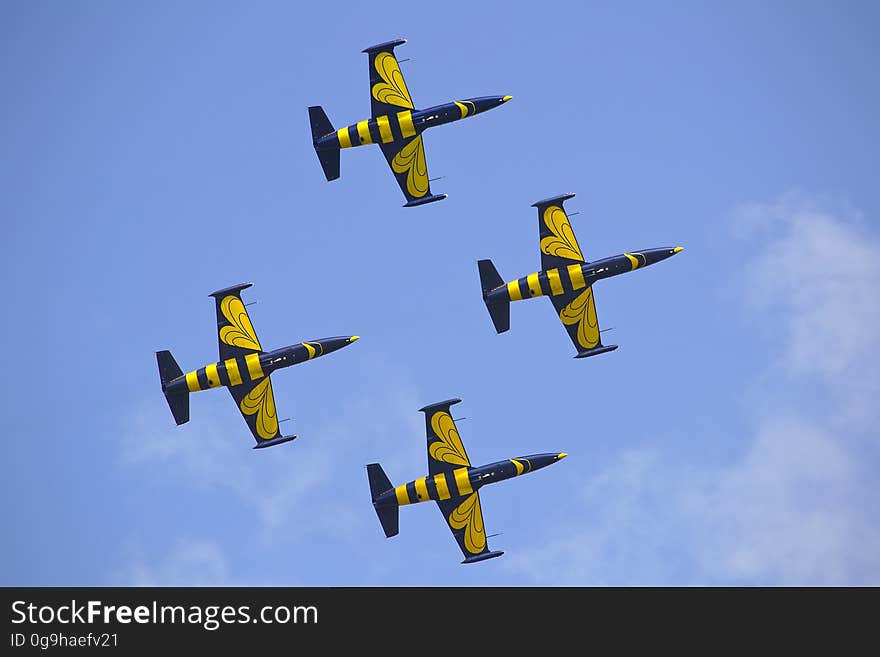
x=154 y=153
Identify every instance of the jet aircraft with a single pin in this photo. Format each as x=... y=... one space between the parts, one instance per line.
x=244 y=368
x=452 y=482
x=565 y=277
x=396 y=126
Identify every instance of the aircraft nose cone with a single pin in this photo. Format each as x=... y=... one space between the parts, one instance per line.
x=353 y=338
x=677 y=249
x=561 y=456
x=506 y=98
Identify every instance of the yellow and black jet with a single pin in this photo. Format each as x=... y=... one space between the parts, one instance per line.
x=565 y=277
x=452 y=482
x=243 y=368
x=396 y=126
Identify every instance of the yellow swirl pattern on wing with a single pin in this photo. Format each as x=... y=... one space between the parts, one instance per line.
x=241 y=332
x=469 y=516
x=562 y=243
x=392 y=90
x=449 y=449
x=261 y=401
x=411 y=160
x=582 y=311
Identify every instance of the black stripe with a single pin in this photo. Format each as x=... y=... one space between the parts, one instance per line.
x=565 y=279
x=432 y=488
x=524 y=291
x=394 y=124
x=374 y=131
x=353 y=136
x=202 y=376
x=222 y=374
x=411 y=492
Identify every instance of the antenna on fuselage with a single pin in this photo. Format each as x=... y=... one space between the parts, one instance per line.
x=494 y=535
x=610 y=328
x=401 y=61
x=284 y=420
x=458 y=419
x=430 y=180
x=250 y=303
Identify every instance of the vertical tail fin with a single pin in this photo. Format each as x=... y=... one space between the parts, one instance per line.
x=499 y=309
x=321 y=127
x=178 y=400
x=379 y=484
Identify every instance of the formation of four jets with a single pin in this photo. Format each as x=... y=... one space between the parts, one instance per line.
x=566 y=278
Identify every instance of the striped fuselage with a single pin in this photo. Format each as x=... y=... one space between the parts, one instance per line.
x=254 y=366
x=461 y=482
x=563 y=280
x=404 y=124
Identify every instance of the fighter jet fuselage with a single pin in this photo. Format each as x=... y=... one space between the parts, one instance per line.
x=402 y=125
x=463 y=481
x=560 y=280
x=254 y=366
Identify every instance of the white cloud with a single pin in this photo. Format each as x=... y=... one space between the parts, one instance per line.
x=189 y=563
x=798 y=506
x=292 y=488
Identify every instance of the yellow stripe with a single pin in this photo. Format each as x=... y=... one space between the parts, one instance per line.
x=442 y=488
x=534 y=285
x=406 y=125
x=384 y=129
x=633 y=260
x=344 y=139
x=192 y=381
x=364 y=132
x=232 y=371
x=253 y=365
x=513 y=291
x=462 y=481
x=576 y=274
x=421 y=489
x=555 y=283
x=402 y=497
x=212 y=376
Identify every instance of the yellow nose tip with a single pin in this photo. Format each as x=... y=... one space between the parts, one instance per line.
x=354 y=338
x=677 y=249
x=561 y=456
x=506 y=98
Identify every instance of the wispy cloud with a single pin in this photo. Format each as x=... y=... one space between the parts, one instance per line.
x=798 y=505
x=293 y=489
x=188 y=563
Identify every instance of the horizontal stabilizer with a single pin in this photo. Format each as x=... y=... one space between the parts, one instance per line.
x=178 y=401
x=262 y=444
x=389 y=515
x=595 y=351
x=499 y=310
x=424 y=200
x=482 y=557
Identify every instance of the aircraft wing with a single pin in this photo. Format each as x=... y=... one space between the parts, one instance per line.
x=577 y=312
x=388 y=91
x=448 y=463
x=559 y=246
x=256 y=403
x=240 y=352
x=465 y=520
x=235 y=332
x=407 y=161
x=561 y=257
x=446 y=452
